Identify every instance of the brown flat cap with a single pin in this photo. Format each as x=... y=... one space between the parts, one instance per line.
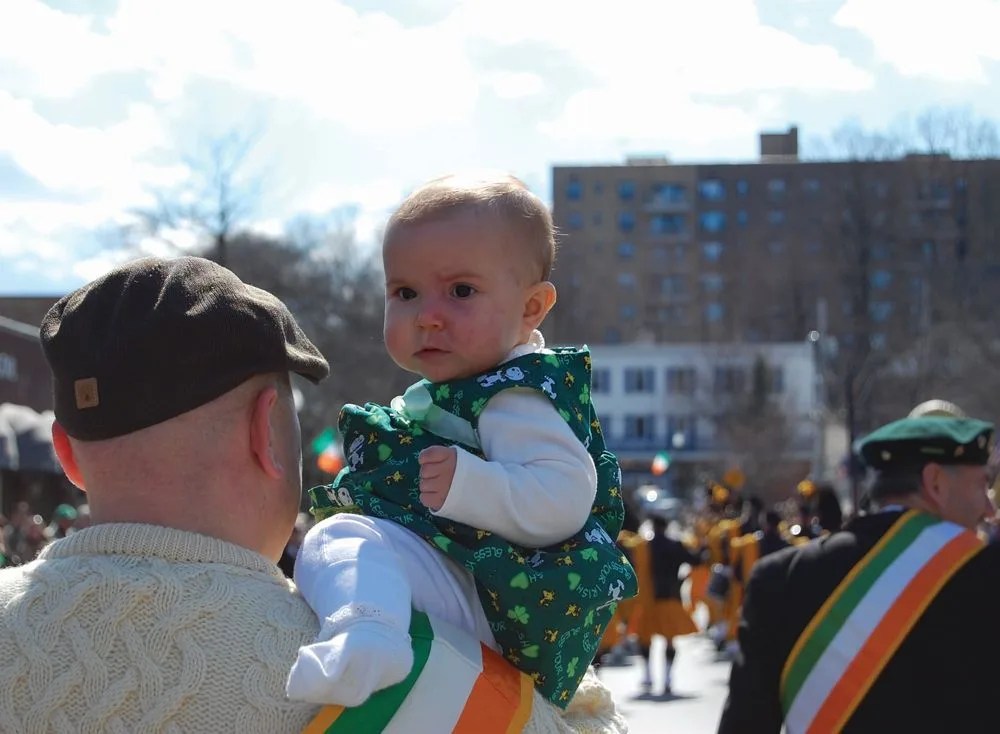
x=158 y=337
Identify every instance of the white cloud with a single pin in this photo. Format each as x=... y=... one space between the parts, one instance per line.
x=514 y=85
x=948 y=42
x=84 y=159
x=55 y=54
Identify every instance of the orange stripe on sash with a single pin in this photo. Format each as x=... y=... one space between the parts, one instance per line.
x=523 y=712
x=888 y=635
x=323 y=720
x=496 y=698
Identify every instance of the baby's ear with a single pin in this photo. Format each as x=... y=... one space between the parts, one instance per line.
x=541 y=297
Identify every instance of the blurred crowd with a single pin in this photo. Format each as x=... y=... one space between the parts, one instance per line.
x=26 y=532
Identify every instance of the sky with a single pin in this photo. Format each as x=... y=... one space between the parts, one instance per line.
x=108 y=105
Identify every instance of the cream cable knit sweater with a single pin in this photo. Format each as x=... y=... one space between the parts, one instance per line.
x=139 y=628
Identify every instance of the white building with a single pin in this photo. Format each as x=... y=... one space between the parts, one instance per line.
x=678 y=398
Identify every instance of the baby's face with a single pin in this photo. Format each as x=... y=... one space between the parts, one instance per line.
x=455 y=304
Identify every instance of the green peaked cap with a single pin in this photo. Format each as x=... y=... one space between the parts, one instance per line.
x=912 y=442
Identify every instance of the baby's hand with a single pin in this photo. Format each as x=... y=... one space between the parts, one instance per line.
x=437 y=469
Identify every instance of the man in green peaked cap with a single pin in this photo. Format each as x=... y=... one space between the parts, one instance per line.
x=933 y=463
x=883 y=620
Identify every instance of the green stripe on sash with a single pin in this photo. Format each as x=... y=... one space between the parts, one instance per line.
x=823 y=633
x=375 y=713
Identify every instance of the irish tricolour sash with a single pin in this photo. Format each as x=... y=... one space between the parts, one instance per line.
x=854 y=634
x=456 y=685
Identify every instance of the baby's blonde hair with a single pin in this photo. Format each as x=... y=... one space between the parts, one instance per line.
x=498 y=194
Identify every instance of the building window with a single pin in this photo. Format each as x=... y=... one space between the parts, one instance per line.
x=681 y=431
x=626 y=250
x=877 y=341
x=626 y=280
x=680 y=252
x=574 y=190
x=612 y=335
x=776 y=186
x=641 y=427
x=673 y=314
x=712 y=251
x=597 y=219
x=627 y=312
x=776 y=379
x=881 y=279
x=713 y=221
x=600 y=380
x=598 y=187
x=712 y=189
x=639 y=379
x=661 y=253
x=880 y=310
x=673 y=285
x=668 y=193
x=776 y=247
x=742 y=187
x=929 y=250
x=742 y=217
x=813 y=247
x=667 y=224
x=626 y=190
x=811 y=185
x=711 y=282
x=776 y=216
x=681 y=380
x=575 y=220
x=730 y=380
x=626 y=221
x=714 y=311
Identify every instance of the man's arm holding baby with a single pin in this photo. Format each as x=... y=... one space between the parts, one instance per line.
x=537 y=487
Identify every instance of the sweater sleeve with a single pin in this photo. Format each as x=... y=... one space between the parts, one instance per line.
x=539 y=483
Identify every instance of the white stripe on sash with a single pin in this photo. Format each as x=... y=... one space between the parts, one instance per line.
x=439 y=695
x=862 y=622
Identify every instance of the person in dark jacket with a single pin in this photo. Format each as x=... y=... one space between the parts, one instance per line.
x=881 y=626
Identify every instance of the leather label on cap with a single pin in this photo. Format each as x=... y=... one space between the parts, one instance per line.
x=86 y=393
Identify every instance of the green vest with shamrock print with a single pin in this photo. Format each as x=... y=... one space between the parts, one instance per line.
x=547 y=607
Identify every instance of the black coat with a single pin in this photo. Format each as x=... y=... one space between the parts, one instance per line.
x=945 y=676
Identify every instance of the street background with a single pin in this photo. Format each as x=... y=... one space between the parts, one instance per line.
x=699 y=684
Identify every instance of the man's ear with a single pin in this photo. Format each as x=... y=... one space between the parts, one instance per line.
x=262 y=432
x=933 y=486
x=64 y=452
x=540 y=299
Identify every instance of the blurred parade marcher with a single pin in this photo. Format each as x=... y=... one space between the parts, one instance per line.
x=35 y=538
x=882 y=621
x=613 y=646
x=657 y=610
x=829 y=515
x=4 y=554
x=722 y=532
x=698 y=577
x=63 y=520
x=15 y=532
x=82 y=517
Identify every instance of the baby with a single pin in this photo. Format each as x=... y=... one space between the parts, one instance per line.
x=484 y=495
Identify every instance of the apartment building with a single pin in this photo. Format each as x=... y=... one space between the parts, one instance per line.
x=873 y=252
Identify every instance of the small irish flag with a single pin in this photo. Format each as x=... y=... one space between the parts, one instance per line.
x=326 y=446
x=661 y=462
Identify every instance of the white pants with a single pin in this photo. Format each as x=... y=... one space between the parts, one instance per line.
x=354 y=564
